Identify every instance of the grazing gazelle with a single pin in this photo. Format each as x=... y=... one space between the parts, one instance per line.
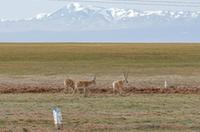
x=119 y=84
x=85 y=85
x=69 y=84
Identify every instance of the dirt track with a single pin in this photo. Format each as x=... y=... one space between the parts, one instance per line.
x=97 y=90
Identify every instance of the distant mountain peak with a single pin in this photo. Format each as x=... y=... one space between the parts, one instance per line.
x=77 y=11
x=75 y=22
x=75 y=16
x=42 y=15
x=74 y=6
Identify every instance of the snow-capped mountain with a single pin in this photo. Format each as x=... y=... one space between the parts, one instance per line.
x=77 y=18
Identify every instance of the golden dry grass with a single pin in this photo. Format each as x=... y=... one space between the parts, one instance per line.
x=54 y=59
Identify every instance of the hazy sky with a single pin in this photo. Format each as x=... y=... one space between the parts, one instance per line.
x=19 y=9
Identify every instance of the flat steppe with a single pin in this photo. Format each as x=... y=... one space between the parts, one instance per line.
x=31 y=84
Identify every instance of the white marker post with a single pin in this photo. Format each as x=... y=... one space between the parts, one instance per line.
x=165 y=84
x=57 y=118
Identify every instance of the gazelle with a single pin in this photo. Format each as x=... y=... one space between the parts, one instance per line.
x=119 y=84
x=85 y=85
x=69 y=84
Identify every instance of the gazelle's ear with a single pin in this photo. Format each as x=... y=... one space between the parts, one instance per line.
x=124 y=74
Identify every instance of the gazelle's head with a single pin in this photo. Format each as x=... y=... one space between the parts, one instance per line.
x=125 y=77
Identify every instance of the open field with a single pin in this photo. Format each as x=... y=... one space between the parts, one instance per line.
x=149 y=64
x=154 y=113
x=139 y=59
x=34 y=74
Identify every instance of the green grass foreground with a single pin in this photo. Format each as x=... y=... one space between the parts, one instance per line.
x=155 y=113
x=54 y=59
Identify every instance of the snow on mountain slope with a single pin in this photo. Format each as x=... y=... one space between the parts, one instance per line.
x=75 y=10
x=76 y=17
x=91 y=23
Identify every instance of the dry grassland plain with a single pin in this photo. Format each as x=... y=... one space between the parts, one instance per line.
x=139 y=59
x=149 y=65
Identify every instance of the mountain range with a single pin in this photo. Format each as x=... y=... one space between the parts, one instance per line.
x=77 y=23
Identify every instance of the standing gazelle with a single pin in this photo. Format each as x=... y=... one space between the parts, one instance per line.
x=85 y=85
x=69 y=84
x=119 y=84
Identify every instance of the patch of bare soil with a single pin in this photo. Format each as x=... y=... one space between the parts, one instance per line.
x=30 y=89
x=96 y=90
x=134 y=90
x=140 y=85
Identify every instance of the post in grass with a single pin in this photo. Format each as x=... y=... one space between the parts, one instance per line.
x=165 y=85
x=57 y=118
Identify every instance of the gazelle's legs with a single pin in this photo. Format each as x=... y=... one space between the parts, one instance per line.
x=65 y=90
x=114 y=88
x=84 y=91
x=88 y=91
x=120 y=91
x=68 y=89
x=115 y=91
x=75 y=90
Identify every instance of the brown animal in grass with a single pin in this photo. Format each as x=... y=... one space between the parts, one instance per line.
x=69 y=85
x=118 y=86
x=85 y=85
